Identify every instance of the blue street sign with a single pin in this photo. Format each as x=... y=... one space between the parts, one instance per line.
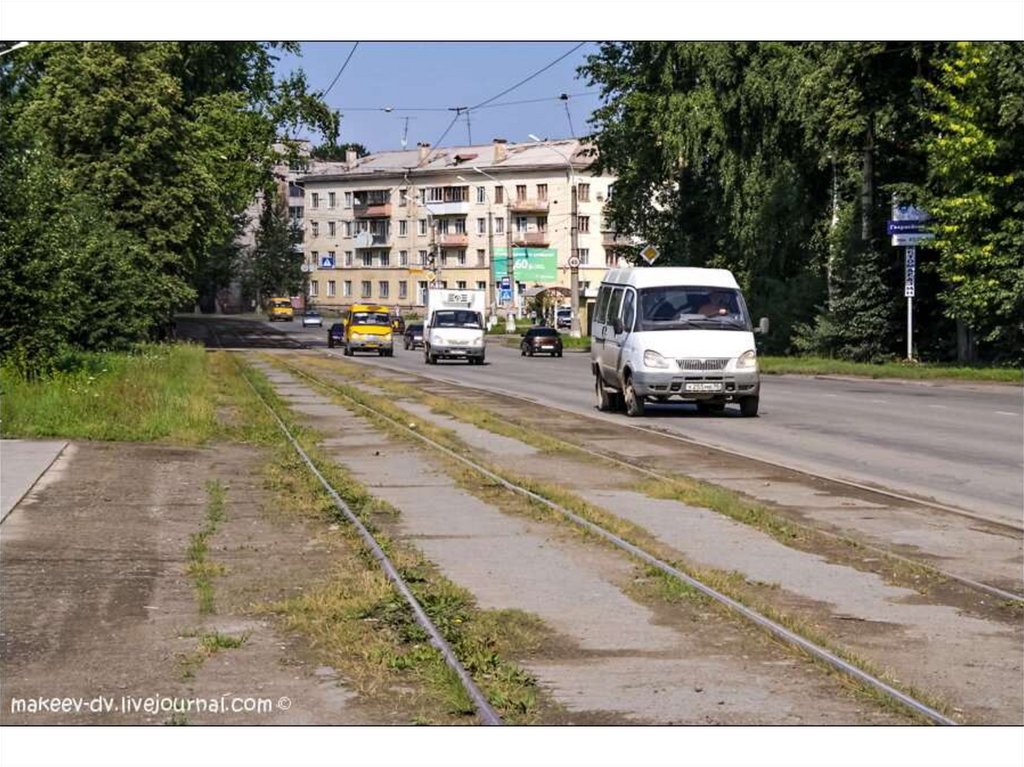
x=506 y=295
x=326 y=262
x=907 y=227
x=506 y=283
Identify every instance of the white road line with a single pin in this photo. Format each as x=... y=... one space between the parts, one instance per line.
x=880 y=401
x=941 y=407
x=1004 y=412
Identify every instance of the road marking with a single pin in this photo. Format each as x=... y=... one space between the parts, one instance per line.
x=1003 y=412
x=941 y=407
x=880 y=401
x=831 y=395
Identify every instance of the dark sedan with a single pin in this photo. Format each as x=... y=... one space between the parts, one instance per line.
x=413 y=335
x=336 y=335
x=541 y=341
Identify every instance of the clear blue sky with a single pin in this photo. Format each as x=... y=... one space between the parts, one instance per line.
x=439 y=75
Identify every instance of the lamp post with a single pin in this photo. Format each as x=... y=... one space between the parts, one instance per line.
x=492 y=300
x=574 y=268
x=509 y=260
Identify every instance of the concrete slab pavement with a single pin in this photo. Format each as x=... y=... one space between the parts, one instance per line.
x=22 y=463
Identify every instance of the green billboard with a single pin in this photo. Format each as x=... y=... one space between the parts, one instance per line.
x=531 y=264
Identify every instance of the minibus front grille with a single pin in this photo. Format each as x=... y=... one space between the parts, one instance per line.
x=703 y=364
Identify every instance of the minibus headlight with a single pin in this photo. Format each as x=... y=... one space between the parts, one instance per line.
x=747 y=360
x=654 y=360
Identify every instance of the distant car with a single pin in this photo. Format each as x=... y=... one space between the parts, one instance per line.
x=335 y=335
x=541 y=341
x=413 y=335
x=397 y=325
x=311 y=318
x=563 y=318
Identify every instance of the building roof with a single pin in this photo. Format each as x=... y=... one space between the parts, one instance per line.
x=517 y=157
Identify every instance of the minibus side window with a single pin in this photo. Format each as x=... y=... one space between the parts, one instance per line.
x=614 y=305
x=628 y=311
x=602 y=304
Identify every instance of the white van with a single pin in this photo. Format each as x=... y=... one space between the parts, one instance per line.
x=454 y=326
x=664 y=332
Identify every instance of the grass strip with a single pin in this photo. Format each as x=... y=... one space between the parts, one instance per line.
x=200 y=569
x=156 y=392
x=895 y=369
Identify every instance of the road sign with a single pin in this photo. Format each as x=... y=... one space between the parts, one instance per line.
x=906 y=227
x=506 y=295
x=911 y=238
x=909 y=213
x=649 y=254
x=326 y=262
x=431 y=276
x=574 y=262
x=506 y=283
x=910 y=273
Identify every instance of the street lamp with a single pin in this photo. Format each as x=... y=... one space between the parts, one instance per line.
x=574 y=267
x=509 y=260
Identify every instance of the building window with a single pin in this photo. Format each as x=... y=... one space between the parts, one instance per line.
x=330 y=288
x=331 y=255
x=382 y=288
x=348 y=228
x=584 y=254
x=403 y=228
x=583 y=193
x=520 y=224
x=422 y=297
x=346 y=288
x=481 y=285
x=481 y=226
x=480 y=259
x=583 y=224
x=367 y=259
x=403 y=290
x=315 y=197
x=444 y=258
x=499 y=195
x=403 y=197
x=423 y=226
x=444 y=284
x=520 y=192
x=460 y=226
x=499 y=226
x=331 y=229
x=460 y=257
x=315 y=257
x=385 y=258
x=314 y=288
x=348 y=199
x=481 y=194
x=610 y=258
x=460 y=285
x=542 y=192
x=314 y=227
x=542 y=223
x=348 y=258
x=367 y=289
x=423 y=257
x=332 y=199
x=403 y=258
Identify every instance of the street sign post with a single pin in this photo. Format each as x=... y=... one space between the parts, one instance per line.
x=910 y=271
x=574 y=262
x=909 y=226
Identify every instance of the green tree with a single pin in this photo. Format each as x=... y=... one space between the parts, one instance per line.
x=337 y=152
x=975 y=190
x=276 y=263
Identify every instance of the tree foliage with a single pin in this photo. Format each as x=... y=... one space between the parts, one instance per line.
x=779 y=161
x=125 y=168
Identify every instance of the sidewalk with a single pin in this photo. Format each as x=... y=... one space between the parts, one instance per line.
x=22 y=463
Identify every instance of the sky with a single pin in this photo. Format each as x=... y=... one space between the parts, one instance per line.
x=438 y=76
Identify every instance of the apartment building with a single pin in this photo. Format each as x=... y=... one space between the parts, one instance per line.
x=384 y=227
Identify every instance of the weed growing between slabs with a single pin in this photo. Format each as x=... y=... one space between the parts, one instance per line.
x=200 y=569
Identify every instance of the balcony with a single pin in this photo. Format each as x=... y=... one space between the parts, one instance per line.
x=372 y=210
x=372 y=240
x=530 y=239
x=530 y=206
x=446 y=208
x=453 y=240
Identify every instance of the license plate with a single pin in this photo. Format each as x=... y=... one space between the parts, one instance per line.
x=457 y=351
x=703 y=387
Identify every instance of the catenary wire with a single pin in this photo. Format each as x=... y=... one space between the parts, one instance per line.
x=345 y=64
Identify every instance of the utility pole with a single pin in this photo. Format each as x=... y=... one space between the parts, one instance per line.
x=574 y=264
x=510 y=262
x=492 y=300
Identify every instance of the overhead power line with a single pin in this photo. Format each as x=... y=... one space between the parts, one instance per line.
x=527 y=79
x=347 y=60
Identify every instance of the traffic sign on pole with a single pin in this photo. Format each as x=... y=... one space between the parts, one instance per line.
x=649 y=254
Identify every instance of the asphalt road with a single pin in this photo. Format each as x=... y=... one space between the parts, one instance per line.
x=959 y=444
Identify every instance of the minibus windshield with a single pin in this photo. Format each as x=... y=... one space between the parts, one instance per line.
x=685 y=307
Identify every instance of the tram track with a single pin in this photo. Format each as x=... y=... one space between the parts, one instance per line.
x=485 y=713
x=765 y=623
x=970 y=583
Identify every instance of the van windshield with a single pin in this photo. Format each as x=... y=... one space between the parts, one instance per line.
x=282 y=304
x=684 y=307
x=371 y=318
x=456 y=319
